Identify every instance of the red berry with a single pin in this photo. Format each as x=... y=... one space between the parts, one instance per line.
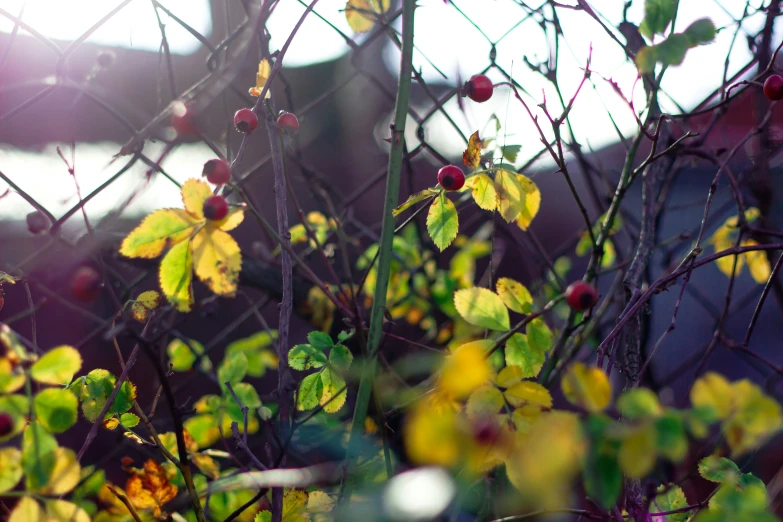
x=773 y=88
x=478 y=88
x=288 y=122
x=6 y=424
x=86 y=284
x=486 y=431
x=245 y=120
x=451 y=177
x=217 y=171
x=37 y=222
x=581 y=296
x=215 y=208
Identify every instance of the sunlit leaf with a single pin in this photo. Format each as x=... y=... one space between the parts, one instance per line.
x=483 y=190
x=217 y=260
x=194 y=193
x=484 y=401
x=333 y=390
x=472 y=155
x=176 y=271
x=233 y=368
x=12 y=376
x=361 y=14
x=264 y=70
x=712 y=392
x=442 y=221
x=10 y=468
x=482 y=307
x=309 y=393
x=718 y=469
x=511 y=194
x=150 y=488
x=514 y=295
x=587 y=387
x=65 y=474
x=520 y=354
x=256 y=348
x=532 y=202
x=670 y=497
x=639 y=403
x=305 y=356
x=64 y=511
x=38 y=455
x=159 y=229
x=527 y=392
x=57 y=366
x=27 y=510
x=638 y=451
x=413 y=199
x=144 y=304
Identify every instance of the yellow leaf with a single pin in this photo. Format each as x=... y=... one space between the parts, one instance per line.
x=264 y=70
x=361 y=14
x=27 y=510
x=511 y=194
x=430 y=435
x=757 y=261
x=466 y=369
x=755 y=417
x=319 y=502
x=484 y=401
x=11 y=379
x=483 y=190
x=234 y=218
x=587 y=387
x=144 y=304
x=527 y=392
x=65 y=475
x=57 y=366
x=637 y=451
x=10 y=468
x=111 y=423
x=150 y=488
x=176 y=271
x=547 y=458
x=712 y=391
x=509 y=375
x=514 y=295
x=163 y=227
x=532 y=202
x=294 y=505
x=206 y=465
x=64 y=511
x=472 y=155
x=217 y=260
x=194 y=193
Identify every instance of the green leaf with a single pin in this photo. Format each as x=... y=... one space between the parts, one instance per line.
x=260 y=357
x=249 y=397
x=56 y=409
x=310 y=390
x=91 y=482
x=539 y=336
x=520 y=353
x=340 y=358
x=639 y=403
x=672 y=50
x=305 y=356
x=657 y=16
x=700 y=32
x=162 y=227
x=483 y=190
x=17 y=407
x=334 y=392
x=603 y=478
x=485 y=401
x=413 y=199
x=94 y=389
x=320 y=340
x=482 y=307
x=57 y=366
x=182 y=355
x=233 y=369
x=38 y=455
x=671 y=498
x=718 y=469
x=10 y=468
x=129 y=420
x=672 y=440
x=510 y=152
x=442 y=221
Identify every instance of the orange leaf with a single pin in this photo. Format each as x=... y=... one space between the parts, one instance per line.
x=472 y=155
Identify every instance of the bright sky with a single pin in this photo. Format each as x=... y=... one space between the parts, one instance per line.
x=443 y=36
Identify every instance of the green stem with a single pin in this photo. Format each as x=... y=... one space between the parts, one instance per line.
x=387 y=235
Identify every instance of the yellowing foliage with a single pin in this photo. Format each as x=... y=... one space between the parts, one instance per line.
x=587 y=387
x=361 y=14
x=472 y=155
x=264 y=70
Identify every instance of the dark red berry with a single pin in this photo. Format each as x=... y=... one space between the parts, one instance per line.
x=581 y=296
x=6 y=424
x=451 y=177
x=217 y=171
x=478 y=88
x=773 y=88
x=86 y=284
x=288 y=123
x=486 y=431
x=215 y=208
x=245 y=120
x=37 y=222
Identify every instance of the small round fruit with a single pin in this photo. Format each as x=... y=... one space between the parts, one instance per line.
x=217 y=171
x=451 y=177
x=288 y=123
x=215 y=208
x=37 y=222
x=581 y=296
x=245 y=120
x=773 y=88
x=86 y=284
x=478 y=88
x=6 y=424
